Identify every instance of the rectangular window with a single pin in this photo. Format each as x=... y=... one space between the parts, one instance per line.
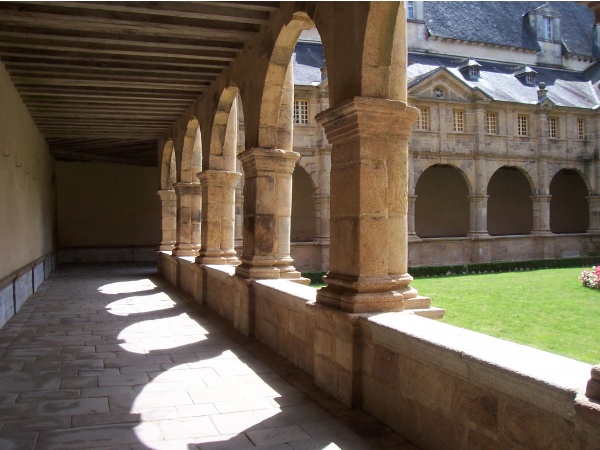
x=491 y=123
x=547 y=24
x=458 y=117
x=553 y=127
x=410 y=10
x=522 y=125
x=423 y=120
x=301 y=112
x=580 y=129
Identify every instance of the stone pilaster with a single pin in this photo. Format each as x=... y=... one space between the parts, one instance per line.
x=369 y=170
x=478 y=215
x=168 y=201
x=218 y=217
x=594 y=205
x=188 y=218
x=267 y=214
x=541 y=215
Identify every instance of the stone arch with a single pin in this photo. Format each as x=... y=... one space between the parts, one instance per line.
x=510 y=207
x=364 y=46
x=442 y=205
x=224 y=135
x=191 y=157
x=303 y=219
x=569 y=209
x=276 y=104
x=168 y=170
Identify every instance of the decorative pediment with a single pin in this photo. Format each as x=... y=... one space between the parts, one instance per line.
x=441 y=84
x=545 y=10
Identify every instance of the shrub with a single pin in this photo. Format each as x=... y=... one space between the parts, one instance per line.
x=591 y=278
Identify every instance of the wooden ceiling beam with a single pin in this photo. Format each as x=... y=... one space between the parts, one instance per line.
x=137 y=86
x=189 y=10
x=114 y=22
x=126 y=50
x=19 y=61
x=84 y=74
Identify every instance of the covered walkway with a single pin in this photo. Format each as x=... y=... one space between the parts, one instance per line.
x=109 y=356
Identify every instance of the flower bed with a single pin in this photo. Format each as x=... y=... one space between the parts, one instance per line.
x=591 y=278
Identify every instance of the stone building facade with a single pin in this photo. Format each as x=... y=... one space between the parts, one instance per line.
x=503 y=159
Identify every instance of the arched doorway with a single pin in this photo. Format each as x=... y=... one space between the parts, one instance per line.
x=569 y=210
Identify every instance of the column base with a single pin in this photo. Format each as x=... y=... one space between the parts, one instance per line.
x=218 y=260
x=255 y=272
x=185 y=250
x=360 y=294
x=478 y=235
x=542 y=233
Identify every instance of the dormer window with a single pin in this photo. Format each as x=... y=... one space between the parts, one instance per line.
x=530 y=78
x=470 y=69
x=414 y=11
x=526 y=75
x=410 y=10
x=545 y=23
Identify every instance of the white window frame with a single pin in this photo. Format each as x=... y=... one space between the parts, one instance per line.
x=522 y=125
x=581 y=129
x=410 y=11
x=301 y=111
x=548 y=28
x=474 y=71
x=458 y=120
x=530 y=78
x=491 y=123
x=553 y=127
x=423 y=120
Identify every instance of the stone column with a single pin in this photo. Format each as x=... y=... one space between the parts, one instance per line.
x=322 y=203
x=478 y=215
x=168 y=201
x=369 y=169
x=541 y=215
x=188 y=218
x=218 y=217
x=267 y=214
x=412 y=233
x=594 y=205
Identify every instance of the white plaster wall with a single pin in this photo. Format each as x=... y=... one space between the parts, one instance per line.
x=26 y=218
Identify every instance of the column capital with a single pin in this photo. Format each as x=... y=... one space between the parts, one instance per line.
x=219 y=177
x=367 y=117
x=478 y=197
x=541 y=197
x=259 y=160
x=182 y=188
x=167 y=194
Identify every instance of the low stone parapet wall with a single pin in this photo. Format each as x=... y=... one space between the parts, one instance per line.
x=17 y=287
x=439 y=385
x=482 y=249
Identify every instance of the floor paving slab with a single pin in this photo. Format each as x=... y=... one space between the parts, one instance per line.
x=110 y=357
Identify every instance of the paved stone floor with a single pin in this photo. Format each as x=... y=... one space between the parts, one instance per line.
x=109 y=356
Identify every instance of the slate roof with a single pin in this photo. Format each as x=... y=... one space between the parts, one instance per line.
x=498 y=82
x=500 y=23
x=503 y=23
x=308 y=60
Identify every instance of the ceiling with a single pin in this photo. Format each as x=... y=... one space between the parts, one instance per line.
x=104 y=80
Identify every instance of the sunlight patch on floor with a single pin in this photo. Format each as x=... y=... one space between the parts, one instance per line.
x=127 y=287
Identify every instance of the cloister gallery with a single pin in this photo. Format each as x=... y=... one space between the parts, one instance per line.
x=90 y=91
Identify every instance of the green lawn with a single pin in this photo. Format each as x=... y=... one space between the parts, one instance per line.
x=547 y=309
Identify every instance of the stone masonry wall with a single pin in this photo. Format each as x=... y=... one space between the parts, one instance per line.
x=439 y=385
